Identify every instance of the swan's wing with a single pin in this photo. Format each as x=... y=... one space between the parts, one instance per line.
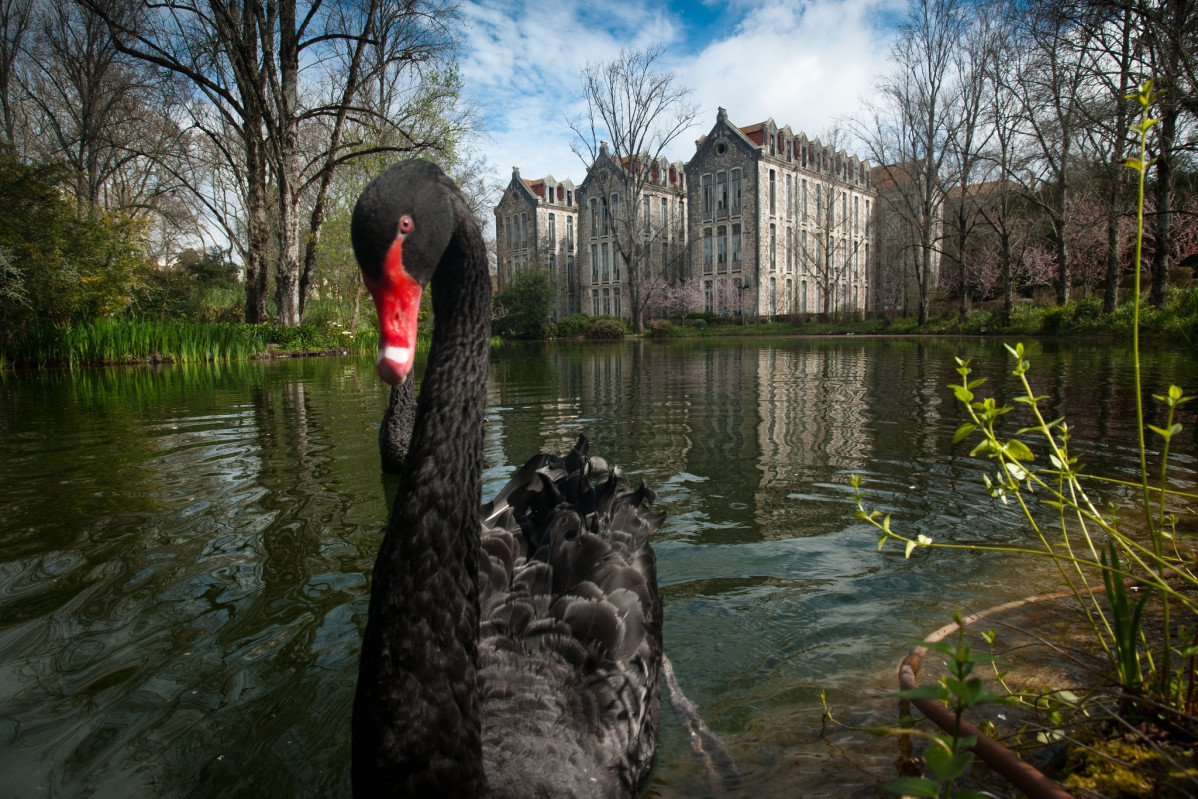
x=570 y=643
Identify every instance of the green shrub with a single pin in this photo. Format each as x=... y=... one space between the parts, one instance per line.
x=574 y=326
x=660 y=328
x=607 y=327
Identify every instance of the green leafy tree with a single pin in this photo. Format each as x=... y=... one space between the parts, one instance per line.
x=59 y=267
x=522 y=310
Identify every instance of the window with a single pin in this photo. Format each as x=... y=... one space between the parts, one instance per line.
x=707 y=251
x=602 y=217
x=616 y=302
x=594 y=302
x=665 y=257
x=736 y=192
x=665 y=217
x=803 y=297
x=736 y=246
x=594 y=203
x=507 y=231
x=721 y=194
x=707 y=197
x=803 y=200
x=613 y=214
x=773 y=192
x=819 y=204
x=605 y=272
x=789 y=294
x=721 y=257
x=648 y=211
x=523 y=230
x=773 y=296
x=570 y=272
x=607 y=302
x=594 y=263
x=773 y=246
x=708 y=297
x=856 y=215
x=790 y=197
x=552 y=231
x=553 y=264
x=615 y=259
x=570 y=233
x=790 y=249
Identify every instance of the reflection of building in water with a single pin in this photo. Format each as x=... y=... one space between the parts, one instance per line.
x=813 y=420
x=812 y=401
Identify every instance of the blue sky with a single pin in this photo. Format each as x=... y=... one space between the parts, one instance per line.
x=806 y=63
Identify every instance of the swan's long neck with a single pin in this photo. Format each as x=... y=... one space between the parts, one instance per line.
x=416 y=726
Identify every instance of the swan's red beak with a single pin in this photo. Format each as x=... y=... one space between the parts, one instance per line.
x=397 y=301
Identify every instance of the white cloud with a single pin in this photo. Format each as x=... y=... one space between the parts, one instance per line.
x=804 y=63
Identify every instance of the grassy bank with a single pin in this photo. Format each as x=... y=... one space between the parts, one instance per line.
x=120 y=341
x=1177 y=320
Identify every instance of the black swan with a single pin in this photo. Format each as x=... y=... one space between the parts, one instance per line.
x=395 y=431
x=524 y=661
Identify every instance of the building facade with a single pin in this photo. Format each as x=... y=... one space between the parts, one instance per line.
x=760 y=222
x=655 y=234
x=535 y=226
x=779 y=224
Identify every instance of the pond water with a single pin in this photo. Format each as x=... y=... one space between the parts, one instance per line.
x=184 y=551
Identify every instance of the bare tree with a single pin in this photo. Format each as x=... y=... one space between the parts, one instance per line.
x=282 y=91
x=832 y=249
x=969 y=136
x=640 y=110
x=1114 y=38
x=15 y=16
x=998 y=203
x=1171 y=37
x=909 y=133
x=1050 y=82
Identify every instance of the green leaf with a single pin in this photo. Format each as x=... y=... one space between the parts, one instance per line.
x=1133 y=163
x=963 y=394
x=981 y=449
x=910 y=549
x=963 y=432
x=1019 y=451
x=947 y=765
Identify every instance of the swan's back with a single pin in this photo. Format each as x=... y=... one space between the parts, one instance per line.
x=570 y=636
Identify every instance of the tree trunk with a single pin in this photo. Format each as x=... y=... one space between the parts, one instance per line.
x=1163 y=194
x=1058 y=235
x=1008 y=293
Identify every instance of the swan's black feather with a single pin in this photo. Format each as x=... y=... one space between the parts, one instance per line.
x=569 y=647
x=395 y=431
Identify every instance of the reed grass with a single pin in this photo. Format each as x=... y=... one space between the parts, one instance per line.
x=123 y=340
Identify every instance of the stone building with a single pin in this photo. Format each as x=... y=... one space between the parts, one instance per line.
x=535 y=224
x=659 y=237
x=778 y=224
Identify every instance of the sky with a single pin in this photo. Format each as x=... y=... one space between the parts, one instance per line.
x=806 y=63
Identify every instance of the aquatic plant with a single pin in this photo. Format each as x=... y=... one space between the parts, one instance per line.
x=1096 y=551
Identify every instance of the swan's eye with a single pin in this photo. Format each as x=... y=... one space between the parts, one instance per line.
x=406 y=224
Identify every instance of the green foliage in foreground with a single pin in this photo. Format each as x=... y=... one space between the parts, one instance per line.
x=1095 y=549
